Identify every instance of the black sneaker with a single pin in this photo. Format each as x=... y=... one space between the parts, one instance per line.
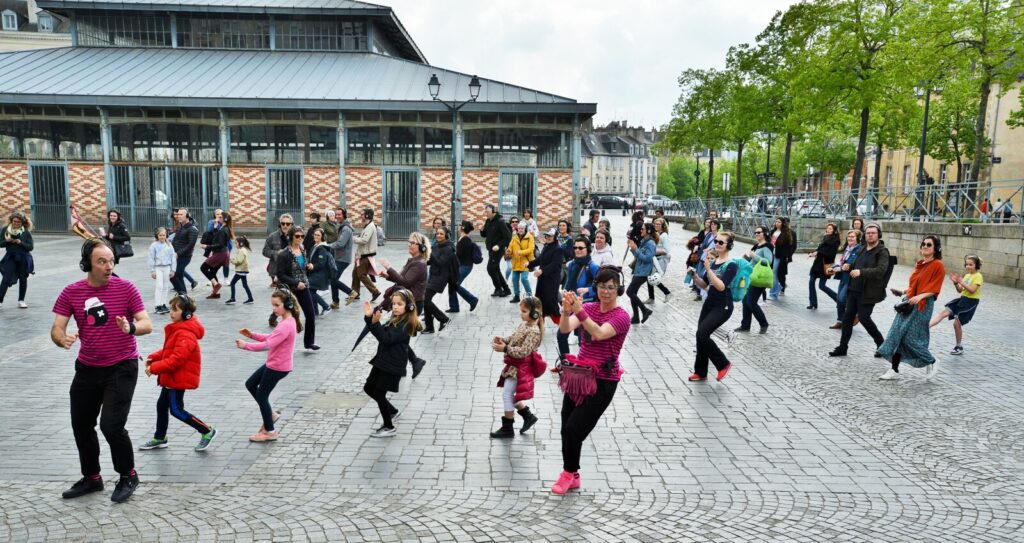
x=82 y=487
x=249 y=301
x=125 y=488
x=417 y=367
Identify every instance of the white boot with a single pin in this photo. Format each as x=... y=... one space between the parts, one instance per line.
x=931 y=370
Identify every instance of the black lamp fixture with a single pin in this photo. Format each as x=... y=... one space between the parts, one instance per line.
x=474 y=88
x=435 y=86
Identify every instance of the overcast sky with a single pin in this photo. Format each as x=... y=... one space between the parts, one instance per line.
x=625 y=55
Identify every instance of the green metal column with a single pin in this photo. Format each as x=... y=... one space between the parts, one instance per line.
x=576 y=158
x=457 y=181
x=342 y=147
x=106 y=143
x=225 y=150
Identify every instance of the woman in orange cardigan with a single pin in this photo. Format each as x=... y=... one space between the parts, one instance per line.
x=908 y=337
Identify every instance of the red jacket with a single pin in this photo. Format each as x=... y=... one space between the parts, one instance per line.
x=178 y=363
x=528 y=369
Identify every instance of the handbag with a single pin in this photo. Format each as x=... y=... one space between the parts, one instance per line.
x=904 y=307
x=576 y=378
x=124 y=250
x=654 y=279
x=762 y=276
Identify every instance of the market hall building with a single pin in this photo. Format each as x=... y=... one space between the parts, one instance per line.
x=262 y=107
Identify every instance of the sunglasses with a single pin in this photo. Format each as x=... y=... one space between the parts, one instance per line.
x=759 y=232
x=298 y=236
x=286 y=224
x=580 y=248
x=927 y=244
x=720 y=242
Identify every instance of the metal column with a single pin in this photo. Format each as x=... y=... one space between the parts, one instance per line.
x=225 y=150
x=342 y=148
x=457 y=180
x=576 y=157
x=106 y=143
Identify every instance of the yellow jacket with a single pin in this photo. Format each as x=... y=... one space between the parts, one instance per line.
x=522 y=252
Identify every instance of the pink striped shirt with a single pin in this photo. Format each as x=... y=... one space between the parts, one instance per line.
x=279 y=344
x=608 y=350
x=95 y=310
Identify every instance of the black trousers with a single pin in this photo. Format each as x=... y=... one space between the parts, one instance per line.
x=579 y=421
x=751 y=309
x=244 y=278
x=309 y=316
x=855 y=308
x=634 y=298
x=661 y=287
x=494 y=270
x=22 y=288
x=431 y=310
x=111 y=389
x=712 y=316
x=173 y=401
x=377 y=389
x=337 y=285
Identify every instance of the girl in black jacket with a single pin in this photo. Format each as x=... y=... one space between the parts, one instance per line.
x=823 y=257
x=392 y=354
x=444 y=272
x=292 y=265
x=17 y=263
x=117 y=232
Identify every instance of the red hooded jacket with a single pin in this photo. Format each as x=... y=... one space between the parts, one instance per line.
x=178 y=364
x=528 y=369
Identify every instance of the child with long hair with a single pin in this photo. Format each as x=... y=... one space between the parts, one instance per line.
x=161 y=268
x=523 y=364
x=961 y=310
x=280 y=347
x=177 y=367
x=241 y=263
x=392 y=354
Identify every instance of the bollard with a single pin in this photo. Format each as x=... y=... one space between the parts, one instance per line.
x=602 y=212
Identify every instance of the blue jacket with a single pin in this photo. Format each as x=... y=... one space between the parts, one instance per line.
x=644 y=258
x=585 y=278
x=844 y=276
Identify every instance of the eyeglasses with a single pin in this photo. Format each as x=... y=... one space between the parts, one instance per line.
x=720 y=242
x=411 y=242
x=608 y=288
x=580 y=248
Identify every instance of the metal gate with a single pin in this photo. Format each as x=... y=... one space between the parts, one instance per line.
x=284 y=195
x=401 y=202
x=517 y=192
x=48 y=196
x=145 y=195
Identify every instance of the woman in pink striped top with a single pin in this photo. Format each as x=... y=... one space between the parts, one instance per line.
x=280 y=347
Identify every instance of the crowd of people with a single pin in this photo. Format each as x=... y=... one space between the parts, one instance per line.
x=575 y=280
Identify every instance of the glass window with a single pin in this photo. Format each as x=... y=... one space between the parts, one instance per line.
x=363 y=145
x=100 y=29
x=10 y=20
x=320 y=35
x=399 y=145
x=516 y=148
x=283 y=144
x=45 y=22
x=224 y=32
x=50 y=140
x=164 y=142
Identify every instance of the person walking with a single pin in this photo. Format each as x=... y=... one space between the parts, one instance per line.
x=280 y=348
x=605 y=326
x=292 y=266
x=117 y=234
x=216 y=222
x=867 y=287
x=342 y=248
x=184 y=244
x=591 y=227
x=366 y=252
x=392 y=355
x=468 y=254
x=413 y=276
x=961 y=310
x=443 y=271
x=603 y=254
x=579 y=278
x=178 y=366
x=663 y=255
x=276 y=240
x=173 y=234
x=908 y=337
x=523 y=364
x=323 y=269
x=547 y=268
x=161 y=261
x=840 y=269
x=220 y=238
x=109 y=314
x=823 y=257
x=644 y=253
x=521 y=249
x=719 y=272
x=983 y=209
x=497 y=235
x=760 y=252
x=17 y=263
x=513 y=224
x=784 y=243
x=241 y=263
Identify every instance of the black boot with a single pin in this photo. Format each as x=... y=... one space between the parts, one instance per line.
x=529 y=419
x=506 y=430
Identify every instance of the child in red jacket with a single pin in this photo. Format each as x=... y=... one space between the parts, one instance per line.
x=523 y=364
x=178 y=368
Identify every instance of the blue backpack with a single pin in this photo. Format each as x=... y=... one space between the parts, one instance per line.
x=741 y=282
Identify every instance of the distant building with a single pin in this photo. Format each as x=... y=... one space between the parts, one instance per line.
x=24 y=26
x=617 y=159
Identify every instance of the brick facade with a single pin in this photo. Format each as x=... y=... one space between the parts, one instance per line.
x=364 y=187
x=14 y=195
x=479 y=188
x=320 y=189
x=554 y=197
x=247 y=196
x=435 y=197
x=88 y=192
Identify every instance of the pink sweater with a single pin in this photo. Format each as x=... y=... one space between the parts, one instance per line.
x=279 y=344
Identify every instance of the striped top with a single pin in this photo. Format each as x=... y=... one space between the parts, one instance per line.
x=605 y=353
x=95 y=310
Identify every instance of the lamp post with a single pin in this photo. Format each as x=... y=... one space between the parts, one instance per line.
x=696 y=175
x=925 y=89
x=453 y=107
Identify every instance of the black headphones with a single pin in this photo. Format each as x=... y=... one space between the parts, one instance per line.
x=622 y=278
x=419 y=240
x=287 y=300
x=877 y=227
x=88 y=247
x=447 y=232
x=186 y=304
x=410 y=304
x=533 y=304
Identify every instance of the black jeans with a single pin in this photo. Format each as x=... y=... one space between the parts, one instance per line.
x=661 y=286
x=855 y=308
x=308 y=315
x=173 y=401
x=260 y=384
x=379 y=392
x=244 y=278
x=494 y=270
x=22 y=289
x=634 y=299
x=751 y=309
x=337 y=285
x=112 y=389
x=712 y=316
x=431 y=310
x=178 y=281
x=579 y=420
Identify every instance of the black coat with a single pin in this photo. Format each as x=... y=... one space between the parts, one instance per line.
x=444 y=268
x=289 y=273
x=185 y=240
x=874 y=273
x=550 y=263
x=497 y=232
x=826 y=255
x=464 y=251
x=17 y=262
x=392 y=347
x=218 y=241
x=784 y=250
x=118 y=232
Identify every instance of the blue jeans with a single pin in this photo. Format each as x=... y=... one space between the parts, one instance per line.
x=178 y=281
x=260 y=384
x=524 y=278
x=776 y=286
x=461 y=291
x=812 y=293
x=844 y=286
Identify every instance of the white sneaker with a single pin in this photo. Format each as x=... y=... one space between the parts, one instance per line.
x=730 y=337
x=668 y=297
x=889 y=375
x=384 y=432
x=931 y=370
x=22 y=305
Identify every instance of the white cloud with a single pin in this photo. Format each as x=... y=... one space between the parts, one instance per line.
x=624 y=55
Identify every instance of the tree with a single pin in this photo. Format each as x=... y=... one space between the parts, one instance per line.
x=700 y=117
x=951 y=127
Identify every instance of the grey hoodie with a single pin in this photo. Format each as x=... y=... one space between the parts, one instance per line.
x=342 y=248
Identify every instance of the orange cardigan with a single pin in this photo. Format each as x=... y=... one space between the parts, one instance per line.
x=927 y=277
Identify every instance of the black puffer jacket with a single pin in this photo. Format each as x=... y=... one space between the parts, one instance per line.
x=118 y=232
x=497 y=232
x=392 y=347
x=185 y=239
x=444 y=268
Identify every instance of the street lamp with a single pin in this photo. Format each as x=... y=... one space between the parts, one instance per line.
x=434 y=85
x=925 y=90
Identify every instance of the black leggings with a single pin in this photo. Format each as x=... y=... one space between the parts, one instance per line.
x=378 y=390
x=431 y=309
x=173 y=401
x=309 y=316
x=661 y=286
x=22 y=289
x=634 y=299
x=713 y=315
x=751 y=309
x=579 y=421
x=244 y=278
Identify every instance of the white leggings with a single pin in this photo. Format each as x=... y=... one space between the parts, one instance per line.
x=163 y=285
x=508 y=394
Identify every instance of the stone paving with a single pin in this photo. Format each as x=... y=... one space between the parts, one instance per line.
x=792 y=446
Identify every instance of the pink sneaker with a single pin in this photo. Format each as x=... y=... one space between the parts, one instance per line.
x=566 y=482
x=263 y=435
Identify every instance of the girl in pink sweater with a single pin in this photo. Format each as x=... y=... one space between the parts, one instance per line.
x=280 y=346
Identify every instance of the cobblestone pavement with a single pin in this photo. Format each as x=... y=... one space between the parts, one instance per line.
x=792 y=446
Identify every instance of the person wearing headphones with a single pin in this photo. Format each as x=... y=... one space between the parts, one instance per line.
x=868 y=276
x=444 y=273
x=366 y=250
x=523 y=364
x=719 y=272
x=109 y=313
x=177 y=367
x=392 y=354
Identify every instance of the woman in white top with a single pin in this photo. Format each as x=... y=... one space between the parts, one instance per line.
x=603 y=254
x=663 y=257
x=531 y=224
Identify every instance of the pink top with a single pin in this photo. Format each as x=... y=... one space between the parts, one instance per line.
x=605 y=353
x=95 y=310
x=279 y=344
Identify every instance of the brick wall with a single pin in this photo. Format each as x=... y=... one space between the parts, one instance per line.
x=14 y=194
x=88 y=192
x=554 y=198
x=435 y=196
x=320 y=189
x=364 y=187
x=479 y=188
x=247 y=196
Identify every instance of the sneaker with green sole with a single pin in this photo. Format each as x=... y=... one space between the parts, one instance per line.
x=153 y=444
x=204 y=442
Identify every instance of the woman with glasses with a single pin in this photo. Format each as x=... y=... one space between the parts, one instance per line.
x=908 y=338
x=579 y=279
x=760 y=252
x=719 y=272
x=276 y=240
x=17 y=263
x=841 y=270
x=663 y=255
x=513 y=224
x=547 y=268
x=292 y=268
x=644 y=253
x=823 y=257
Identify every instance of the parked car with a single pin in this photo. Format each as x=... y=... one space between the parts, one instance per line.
x=808 y=207
x=664 y=202
x=610 y=202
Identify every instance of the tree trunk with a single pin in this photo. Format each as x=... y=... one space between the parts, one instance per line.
x=979 y=130
x=739 y=168
x=858 y=167
x=785 y=161
x=878 y=167
x=711 y=171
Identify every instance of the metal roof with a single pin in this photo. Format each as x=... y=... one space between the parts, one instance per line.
x=139 y=77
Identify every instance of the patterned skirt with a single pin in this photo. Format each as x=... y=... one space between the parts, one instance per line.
x=909 y=337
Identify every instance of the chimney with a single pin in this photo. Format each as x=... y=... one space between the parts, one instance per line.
x=32 y=9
